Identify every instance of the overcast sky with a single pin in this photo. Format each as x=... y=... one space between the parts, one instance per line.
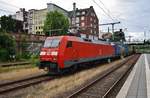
x=133 y=14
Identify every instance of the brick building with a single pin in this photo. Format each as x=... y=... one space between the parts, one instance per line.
x=86 y=22
x=83 y=21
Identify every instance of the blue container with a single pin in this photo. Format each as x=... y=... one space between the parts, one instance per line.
x=126 y=49
x=117 y=50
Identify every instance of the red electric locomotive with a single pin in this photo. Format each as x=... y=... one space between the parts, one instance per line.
x=61 y=52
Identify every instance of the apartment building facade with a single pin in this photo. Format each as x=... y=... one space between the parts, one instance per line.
x=86 y=22
x=36 y=18
x=22 y=17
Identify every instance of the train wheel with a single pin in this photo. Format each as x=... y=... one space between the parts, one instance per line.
x=60 y=71
x=74 y=68
x=51 y=72
x=122 y=56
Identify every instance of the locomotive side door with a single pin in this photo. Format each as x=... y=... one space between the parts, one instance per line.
x=71 y=53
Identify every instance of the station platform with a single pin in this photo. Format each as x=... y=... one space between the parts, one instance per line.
x=137 y=84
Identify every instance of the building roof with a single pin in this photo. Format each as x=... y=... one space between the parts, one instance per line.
x=57 y=6
x=88 y=10
x=37 y=9
x=46 y=8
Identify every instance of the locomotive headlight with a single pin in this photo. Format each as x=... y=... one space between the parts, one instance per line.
x=54 y=53
x=42 y=53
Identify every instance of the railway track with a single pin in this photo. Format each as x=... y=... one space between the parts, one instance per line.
x=18 y=84
x=103 y=85
x=14 y=64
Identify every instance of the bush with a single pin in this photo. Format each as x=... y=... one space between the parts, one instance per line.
x=34 y=59
x=25 y=55
x=4 y=55
x=7 y=46
x=18 y=57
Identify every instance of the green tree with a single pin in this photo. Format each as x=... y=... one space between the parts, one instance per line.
x=7 y=46
x=10 y=25
x=119 y=36
x=7 y=23
x=56 y=24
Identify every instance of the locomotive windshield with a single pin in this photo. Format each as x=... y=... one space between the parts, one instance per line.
x=51 y=43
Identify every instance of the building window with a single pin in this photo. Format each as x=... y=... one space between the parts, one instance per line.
x=77 y=20
x=40 y=22
x=83 y=35
x=83 y=12
x=73 y=20
x=91 y=25
x=95 y=38
x=82 y=18
x=93 y=14
x=78 y=13
x=39 y=27
x=77 y=25
x=82 y=24
x=36 y=28
x=91 y=32
x=69 y=44
x=91 y=19
x=90 y=37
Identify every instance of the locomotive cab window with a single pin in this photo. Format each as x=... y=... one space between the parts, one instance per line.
x=51 y=43
x=69 y=44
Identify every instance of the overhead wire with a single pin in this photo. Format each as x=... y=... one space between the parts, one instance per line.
x=13 y=7
x=104 y=5
x=8 y=8
x=8 y=4
x=104 y=10
x=6 y=11
x=109 y=12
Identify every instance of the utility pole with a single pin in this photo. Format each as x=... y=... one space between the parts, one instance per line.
x=129 y=38
x=74 y=18
x=113 y=24
x=108 y=29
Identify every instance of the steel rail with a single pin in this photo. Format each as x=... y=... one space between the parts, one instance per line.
x=18 y=84
x=14 y=64
x=103 y=75
x=119 y=79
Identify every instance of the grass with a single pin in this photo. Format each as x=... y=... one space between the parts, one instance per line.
x=60 y=85
x=14 y=68
x=19 y=73
x=34 y=60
